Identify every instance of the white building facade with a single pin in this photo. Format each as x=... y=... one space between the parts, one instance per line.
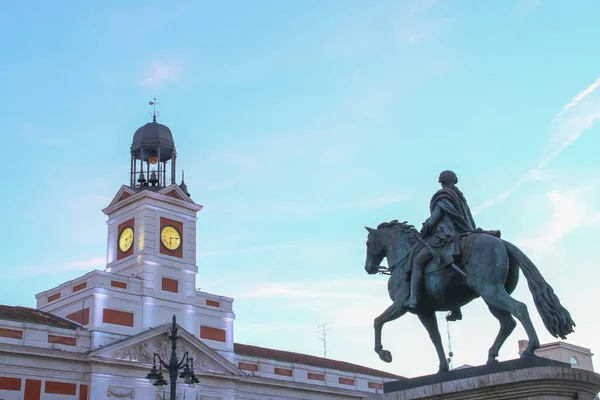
x=94 y=337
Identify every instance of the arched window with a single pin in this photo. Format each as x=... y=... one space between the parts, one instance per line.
x=574 y=360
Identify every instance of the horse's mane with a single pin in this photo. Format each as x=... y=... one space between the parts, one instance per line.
x=403 y=227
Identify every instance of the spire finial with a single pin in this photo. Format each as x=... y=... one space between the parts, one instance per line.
x=154 y=113
x=183 y=186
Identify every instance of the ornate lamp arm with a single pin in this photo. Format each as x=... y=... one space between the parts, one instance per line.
x=183 y=360
x=160 y=361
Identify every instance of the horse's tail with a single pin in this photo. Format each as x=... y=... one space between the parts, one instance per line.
x=556 y=318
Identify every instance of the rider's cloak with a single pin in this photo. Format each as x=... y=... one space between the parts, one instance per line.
x=450 y=218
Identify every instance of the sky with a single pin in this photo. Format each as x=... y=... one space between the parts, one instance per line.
x=298 y=123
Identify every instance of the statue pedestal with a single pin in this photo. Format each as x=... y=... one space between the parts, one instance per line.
x=532 y=379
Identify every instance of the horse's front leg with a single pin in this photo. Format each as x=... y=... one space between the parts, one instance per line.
x=430 y=323
x=393 y=312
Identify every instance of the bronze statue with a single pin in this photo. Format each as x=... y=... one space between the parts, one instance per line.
x=449 y=264
x=450 y=220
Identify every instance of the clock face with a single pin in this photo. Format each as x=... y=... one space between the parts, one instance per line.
x=126 y=239
x=170 y=237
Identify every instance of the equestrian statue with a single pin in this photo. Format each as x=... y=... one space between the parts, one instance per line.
x=452 y=262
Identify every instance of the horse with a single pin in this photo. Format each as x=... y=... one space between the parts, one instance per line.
x=488 y=268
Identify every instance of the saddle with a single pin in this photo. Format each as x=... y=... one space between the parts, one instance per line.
x=466 y=240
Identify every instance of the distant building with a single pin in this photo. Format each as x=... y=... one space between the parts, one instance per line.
x=577 y=356
x=95 y=336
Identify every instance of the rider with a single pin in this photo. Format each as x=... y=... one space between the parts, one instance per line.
x=450 y=218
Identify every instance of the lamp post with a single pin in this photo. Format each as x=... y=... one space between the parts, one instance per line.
x=173 y=366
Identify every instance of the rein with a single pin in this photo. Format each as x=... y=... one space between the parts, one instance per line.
x=389 y=270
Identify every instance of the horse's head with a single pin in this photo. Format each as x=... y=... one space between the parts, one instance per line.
x=391 y=240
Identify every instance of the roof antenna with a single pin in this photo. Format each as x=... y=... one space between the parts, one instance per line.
x=154 y=113
x=323 y=331
x=450 y=353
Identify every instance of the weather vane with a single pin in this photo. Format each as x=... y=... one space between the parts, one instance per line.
x=154 y=113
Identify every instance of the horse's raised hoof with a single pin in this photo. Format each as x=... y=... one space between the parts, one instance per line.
x=386 y=356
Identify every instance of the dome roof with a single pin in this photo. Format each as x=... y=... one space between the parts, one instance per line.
x=150 y=138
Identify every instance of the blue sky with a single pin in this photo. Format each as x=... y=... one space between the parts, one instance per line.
x=298 y=123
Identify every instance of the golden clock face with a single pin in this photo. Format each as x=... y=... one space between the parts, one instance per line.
x=126 y=239
x=170 y=237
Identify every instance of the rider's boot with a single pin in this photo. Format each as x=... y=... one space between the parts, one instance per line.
x=415 y=288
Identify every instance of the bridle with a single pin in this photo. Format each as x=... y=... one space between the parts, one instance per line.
x=388 y=270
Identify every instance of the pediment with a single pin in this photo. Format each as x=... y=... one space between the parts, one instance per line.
x=175 y=192
x=141 y=348
x=123 y=193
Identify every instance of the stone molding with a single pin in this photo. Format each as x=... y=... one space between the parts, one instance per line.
x=120 y=392
x=554 y=382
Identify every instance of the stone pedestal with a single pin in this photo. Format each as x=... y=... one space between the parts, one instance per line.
x=531 y=379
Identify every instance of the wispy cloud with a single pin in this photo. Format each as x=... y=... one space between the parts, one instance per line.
x=565 y=135
x=161 y=73
x=570 y=211
x=340 y=289
x=77 y=265
x=580 y=96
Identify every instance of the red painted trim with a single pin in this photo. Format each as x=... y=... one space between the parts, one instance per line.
x=248 y=366
x=81 y=317
x=116 y=317
x=60 y=388
x=316 y=377
x=210 y=333
x=346 y=381
x=69 y=341
x=10 y=384
x=83 y=392
x=55 y=296
x=11 y=333
x=33 y=389
x=376 y=385
x=124 y=196
x=117 y=284
x=179 y=225
x=170 y=285
x=127 y=224
x=283 y=371
x=174 y=195
x=213 y=303
x=79 y=287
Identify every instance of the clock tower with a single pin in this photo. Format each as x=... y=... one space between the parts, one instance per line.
x=152 y=221
x=151 y=265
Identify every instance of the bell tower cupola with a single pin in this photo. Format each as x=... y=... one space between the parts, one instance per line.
x=153 y=155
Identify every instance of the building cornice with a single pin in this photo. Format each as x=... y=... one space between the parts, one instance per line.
x=151 y=195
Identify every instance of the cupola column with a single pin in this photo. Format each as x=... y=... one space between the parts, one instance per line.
x=173 y=169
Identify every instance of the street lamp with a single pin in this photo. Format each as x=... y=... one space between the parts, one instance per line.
x=156 y=377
